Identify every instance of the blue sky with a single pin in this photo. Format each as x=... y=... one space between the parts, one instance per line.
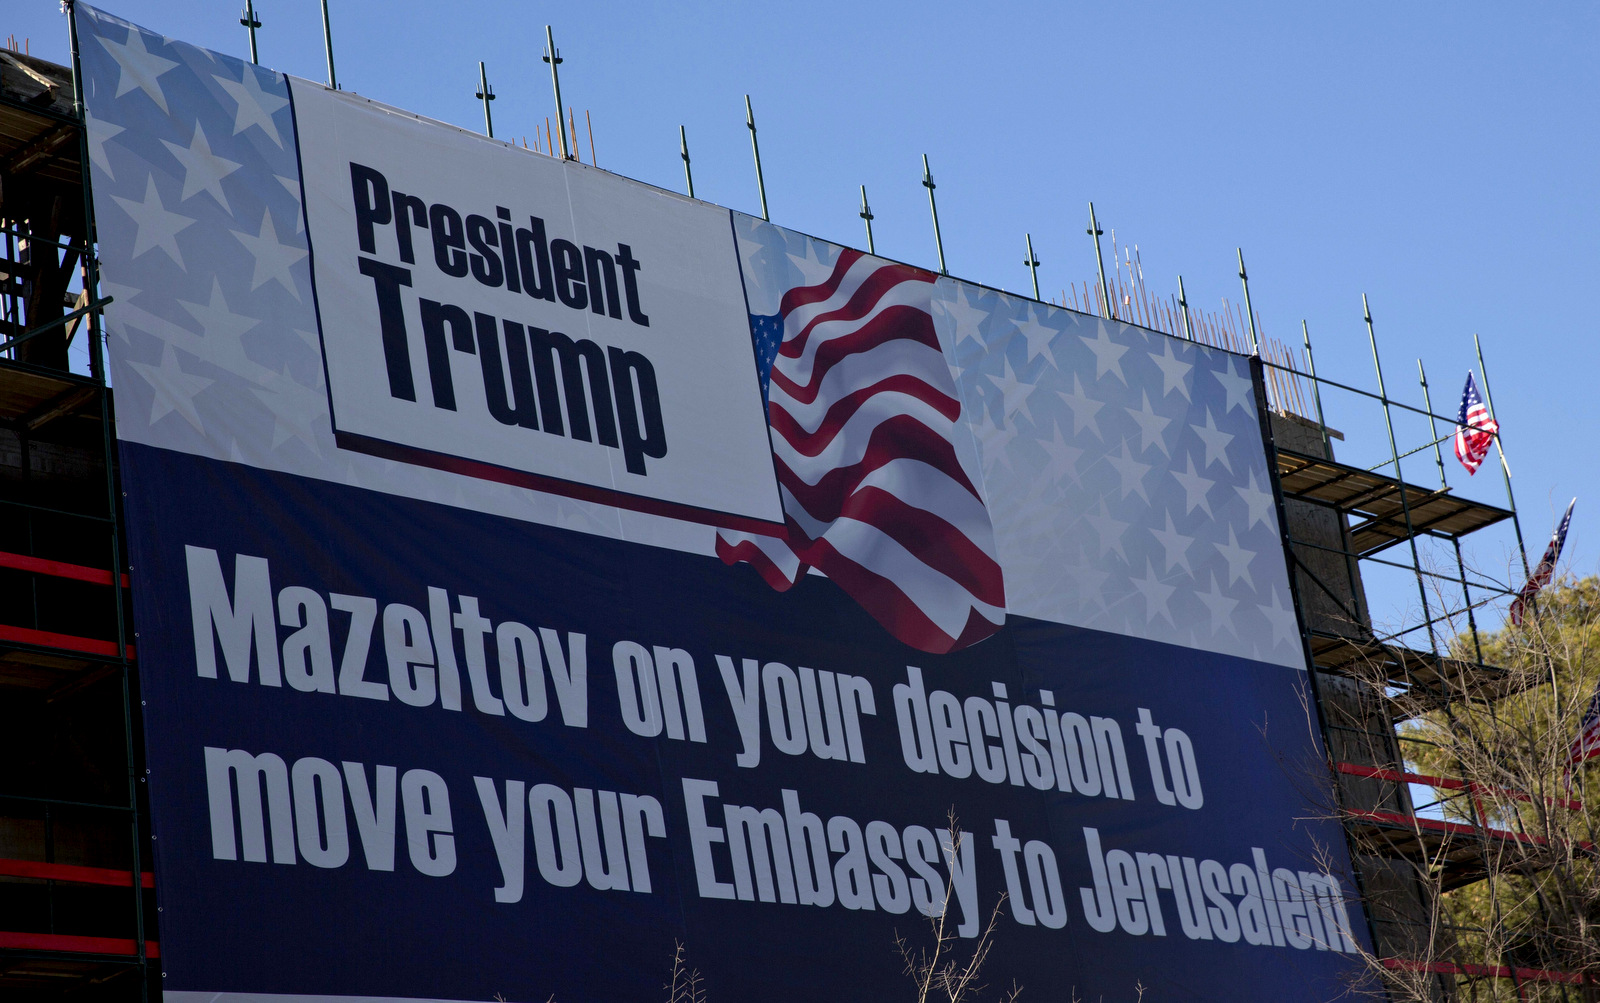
x=1439 y=157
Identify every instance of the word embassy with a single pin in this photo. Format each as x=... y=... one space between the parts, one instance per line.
x=527 y=370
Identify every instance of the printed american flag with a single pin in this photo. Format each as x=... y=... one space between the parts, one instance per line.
x=864 y=417
x=1475 y=430
x=1547 y=567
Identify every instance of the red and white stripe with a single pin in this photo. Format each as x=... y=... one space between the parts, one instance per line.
x=1587 y=745
x=864 y=417
x=1475 y=430
x=1545 y=570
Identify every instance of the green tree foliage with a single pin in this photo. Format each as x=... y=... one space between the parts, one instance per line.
x=1530 y=814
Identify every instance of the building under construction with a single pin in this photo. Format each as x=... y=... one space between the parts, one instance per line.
x=78 y=917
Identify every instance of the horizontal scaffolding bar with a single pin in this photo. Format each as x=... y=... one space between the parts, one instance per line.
x=62 y=642
x=74 y=874
x=1488 y=971
x=1444 y=783
x=1357 y=390
x=57 y=569
x=117 y=946
x=30 y=799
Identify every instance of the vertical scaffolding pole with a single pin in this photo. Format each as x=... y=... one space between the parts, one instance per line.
x=1399 y=475
x=107 y=444
x=251 y=23
x=327 y=45
x=1183 y=304
x=1438 y=459
x=933 y=206
x=91 y=263
x=755 y=148
x=1100 y=263
x=485 y=94
x=1316 y=391
x=1255 y=341
x=866 y=215
x=683 y=151
x=1505 y=468
x=552 y=55
x=1032 y=263
x=1350 y=569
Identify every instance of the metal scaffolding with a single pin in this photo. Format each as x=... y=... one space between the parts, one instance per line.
x=76 y=892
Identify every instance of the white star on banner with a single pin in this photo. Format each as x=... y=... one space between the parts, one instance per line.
x=1063 y=457
x=157 y=227
x=1088 y=582
x=1156 y=594
x=1083 y=408
x=1039 y=338
x=1130 y=472
x=1239 y=389
x=174 y=389
x=1216 y=442
x=1194 y=488
x=1110 y=531
x=294 y=409
x=817 y=264
x=1238 y=559
x=1151 y=425
x=221 y=334
x=1174 y=371
x=1013 y=393
x=996 y=441
x=1176 y=546
x=139 y=66
x=1258 y=501
x=256 y=106
x=100 y=131
x=1107 y=354
x=1220 y=607
x=965 y=319
x=1285 y=627
x=203 y=170
x=273 y=259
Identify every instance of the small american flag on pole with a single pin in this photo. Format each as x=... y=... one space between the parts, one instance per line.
x=1475 y=430
x=864 y=417
x=1586 y=745
x=1546 y=570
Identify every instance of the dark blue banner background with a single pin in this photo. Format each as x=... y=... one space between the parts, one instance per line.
x=271 y=927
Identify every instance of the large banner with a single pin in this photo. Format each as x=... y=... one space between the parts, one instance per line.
x=537 y=573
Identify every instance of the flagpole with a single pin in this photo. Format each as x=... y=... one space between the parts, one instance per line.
x=1316 y=385
x=1255 y=341
x=1505 y=468
x=866 y=214
x=933 y=207
x=1438 y=458
x=1100 y=263
x=1400 y=478
x=1033 y=264
x=755 y=148
x=552 y=55
x=251 y=23
x=485 y=94
x=1183 y=303
x=327 y=45
x=683 y=151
